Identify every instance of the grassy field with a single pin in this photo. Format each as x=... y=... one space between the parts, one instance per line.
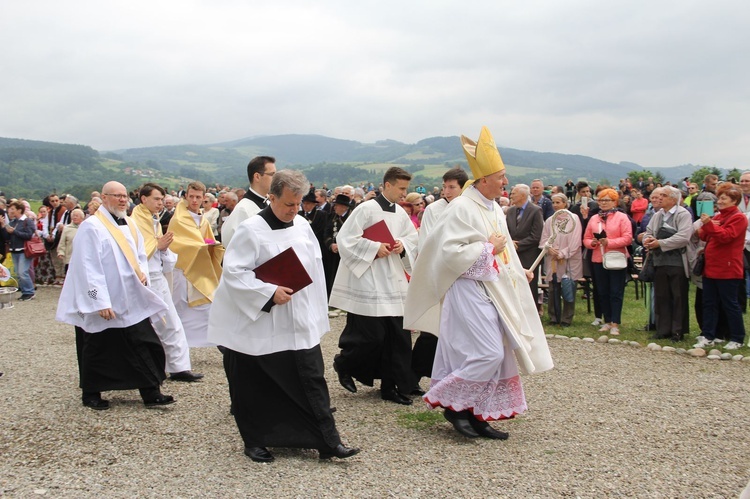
x=634 y=321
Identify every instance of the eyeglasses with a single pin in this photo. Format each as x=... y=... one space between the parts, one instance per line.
x=118 y=196
x=417 y=204
x=607 y=200
x=270 y=174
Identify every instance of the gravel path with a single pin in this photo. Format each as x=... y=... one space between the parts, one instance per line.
x=610 y=420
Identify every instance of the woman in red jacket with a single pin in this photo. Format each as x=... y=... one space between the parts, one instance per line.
x=724 y=271
x=609 y=230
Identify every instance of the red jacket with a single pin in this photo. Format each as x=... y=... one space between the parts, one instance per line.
x=725 y=243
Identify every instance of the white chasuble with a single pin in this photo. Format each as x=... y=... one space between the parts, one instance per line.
x=450 y=250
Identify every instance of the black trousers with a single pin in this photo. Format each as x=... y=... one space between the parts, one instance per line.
x=120 y=359
x=671 y=302
x=281 y=399
x=376 y=348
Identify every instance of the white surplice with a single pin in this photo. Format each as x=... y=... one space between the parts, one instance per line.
x=365 y=285
x=100 y=277
x=237 y=319
x=243 y=210
x=169 y=330
x=430 y=219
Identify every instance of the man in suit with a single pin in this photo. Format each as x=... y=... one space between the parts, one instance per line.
x=538 y=197
x=525 y=224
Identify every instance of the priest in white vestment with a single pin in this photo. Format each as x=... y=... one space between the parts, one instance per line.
x=198 y=268
x=371 y=286
x=271 y=333
x=469 y=286
x=106 y=298
x=423 y=353
x=161 y=262
x=260 y=171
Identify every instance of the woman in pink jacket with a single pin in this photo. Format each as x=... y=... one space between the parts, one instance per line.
x=609 y=230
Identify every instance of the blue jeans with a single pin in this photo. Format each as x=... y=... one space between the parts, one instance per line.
x=610 y=286
x=21 y=264
x=722 y=291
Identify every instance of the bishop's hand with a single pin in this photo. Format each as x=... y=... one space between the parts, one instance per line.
x=498 y=241
x=383 y=251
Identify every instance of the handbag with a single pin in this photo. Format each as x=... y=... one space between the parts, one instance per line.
x=700 y=263
x=34 y=247
x=648 y=271
x=614 y=260
x=568 y=288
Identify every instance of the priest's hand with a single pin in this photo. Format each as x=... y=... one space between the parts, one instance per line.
x=144 y=279
x=529 y=275
x=282 y=295
x=107 y=314
x=383 y=251
x=398 y=248
x=163 y=242
x=498 y=241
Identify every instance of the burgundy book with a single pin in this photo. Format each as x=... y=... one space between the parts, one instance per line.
x=284 y=269
x=380 y=234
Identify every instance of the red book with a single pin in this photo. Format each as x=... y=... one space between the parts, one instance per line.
x=380 y=234
x=284 y=269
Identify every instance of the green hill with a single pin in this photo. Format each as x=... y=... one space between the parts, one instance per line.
x=33 y=169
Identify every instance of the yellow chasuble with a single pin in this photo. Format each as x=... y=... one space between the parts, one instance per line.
x=122 y=242
x=200 y=262
x=145 y=222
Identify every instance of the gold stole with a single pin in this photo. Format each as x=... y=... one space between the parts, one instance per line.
x=145 y=222
x=122 y=242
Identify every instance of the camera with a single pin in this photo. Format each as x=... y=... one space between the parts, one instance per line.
x=601 y=235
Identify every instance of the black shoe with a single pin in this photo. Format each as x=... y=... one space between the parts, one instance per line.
x=485 y=430
x=394 y=396
x=345 y=379
x=417 y=391
x=460 y=423
x=159 y=400
x=259 y=454
x=341 y=451
x=187 y=376
x=98 y=404
x=26 y=297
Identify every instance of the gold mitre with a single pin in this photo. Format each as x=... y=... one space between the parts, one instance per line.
x=483 y=156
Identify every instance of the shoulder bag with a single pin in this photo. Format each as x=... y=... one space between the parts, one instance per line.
x=34 y=247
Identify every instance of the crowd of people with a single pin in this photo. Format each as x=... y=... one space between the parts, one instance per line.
x=149 y=274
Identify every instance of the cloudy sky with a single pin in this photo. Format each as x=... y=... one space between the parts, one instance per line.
x=659 y=83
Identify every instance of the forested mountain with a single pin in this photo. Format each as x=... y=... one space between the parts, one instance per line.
x=33 y=169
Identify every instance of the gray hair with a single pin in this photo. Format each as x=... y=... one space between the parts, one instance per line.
x=210 y=197
x=671 y=192
x=562 y=197
x=72 y=199
x=231 y=195
x=293 y=180
x=523 y=188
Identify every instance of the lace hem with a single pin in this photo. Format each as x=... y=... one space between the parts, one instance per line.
x=487 y=400
x=483 y=269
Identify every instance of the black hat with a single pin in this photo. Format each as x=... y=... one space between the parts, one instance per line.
x=343 y=199
x=309 y=198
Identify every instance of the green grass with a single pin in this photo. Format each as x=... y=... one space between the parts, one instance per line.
x=634 y=320
x=420 y=420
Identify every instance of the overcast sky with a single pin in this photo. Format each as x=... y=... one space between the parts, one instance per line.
x=659 y=83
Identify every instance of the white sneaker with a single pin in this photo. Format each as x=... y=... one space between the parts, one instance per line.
x=702 y=342
x=597 y=322
x=732 y=345
x=605 y=328
x=718 y=341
